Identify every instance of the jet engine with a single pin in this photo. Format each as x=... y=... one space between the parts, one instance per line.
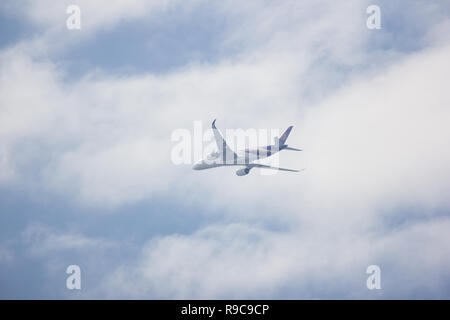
x=243 y=172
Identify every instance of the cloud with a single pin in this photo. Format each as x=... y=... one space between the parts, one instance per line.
x=386 y=136
x=42 y=254
x=48 y=34
x=101 y=14
x=240 y=262
x=6 y=255
x=42 y=240
x=84 y=133
x=372 y=123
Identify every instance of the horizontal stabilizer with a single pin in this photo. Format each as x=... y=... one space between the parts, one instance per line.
x=257 y=165
x=293 y=149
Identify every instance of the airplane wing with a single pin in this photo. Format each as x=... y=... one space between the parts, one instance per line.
x=224 y=150
x=257 y=165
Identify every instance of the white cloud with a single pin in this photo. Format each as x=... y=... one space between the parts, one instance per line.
x=375 y=140
x=41 y=240
x=238 y=261
x=105 y=139
x=48 y=18
x=95 y=15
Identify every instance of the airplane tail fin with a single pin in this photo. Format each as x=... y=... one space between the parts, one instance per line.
x=281 y=142
x=285 y=135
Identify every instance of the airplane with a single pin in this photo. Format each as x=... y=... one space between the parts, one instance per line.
x=224 y=156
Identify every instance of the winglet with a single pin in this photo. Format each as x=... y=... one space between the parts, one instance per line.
x=214 y=124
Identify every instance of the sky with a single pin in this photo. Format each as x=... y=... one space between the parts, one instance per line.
x=87 y=178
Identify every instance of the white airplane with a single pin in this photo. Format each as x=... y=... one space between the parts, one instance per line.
x=224 y=156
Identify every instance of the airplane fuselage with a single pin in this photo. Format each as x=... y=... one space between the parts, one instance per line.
x=241 y=157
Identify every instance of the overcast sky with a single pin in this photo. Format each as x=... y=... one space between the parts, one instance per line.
x=86 y=175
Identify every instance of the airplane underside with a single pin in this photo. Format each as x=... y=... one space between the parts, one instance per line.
x=224 y=156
